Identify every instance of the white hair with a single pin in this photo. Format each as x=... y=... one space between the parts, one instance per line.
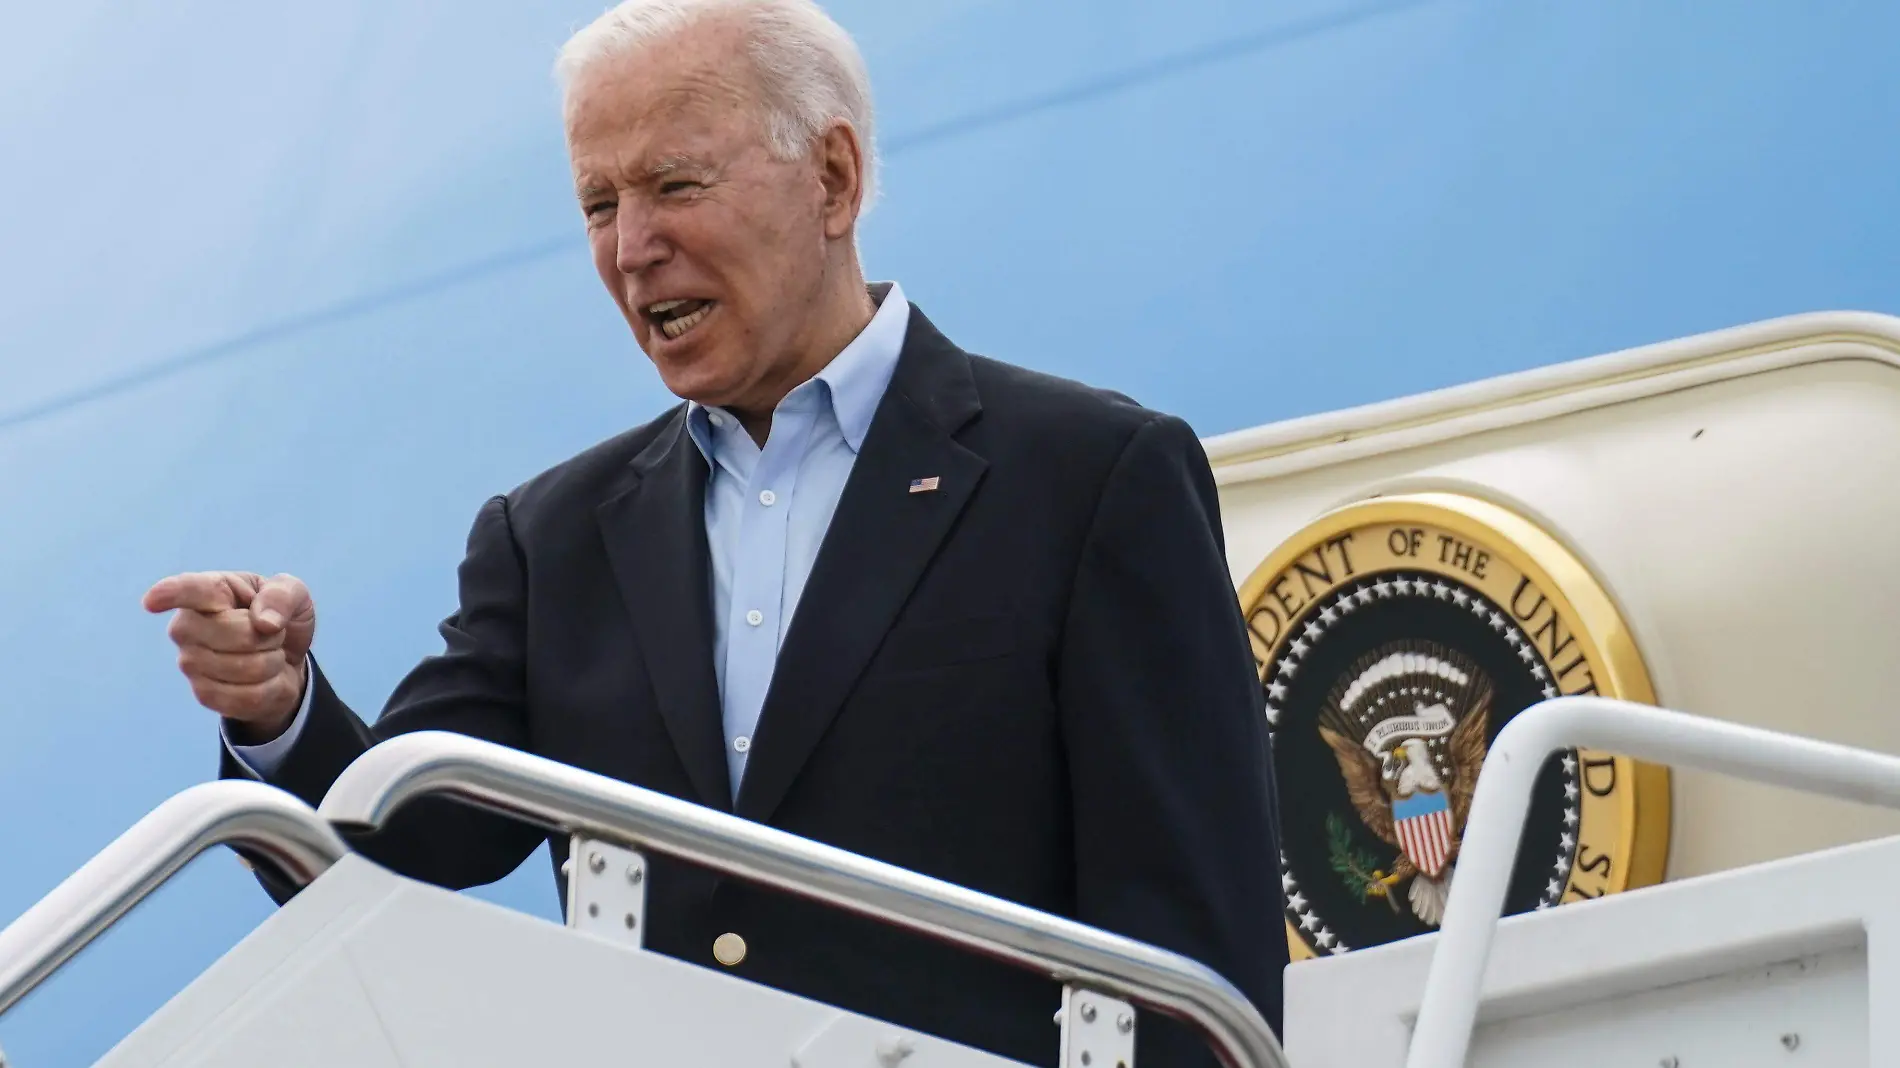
x=809 y=69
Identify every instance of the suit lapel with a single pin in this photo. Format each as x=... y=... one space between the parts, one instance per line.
x=881 y=539
x=655 y=530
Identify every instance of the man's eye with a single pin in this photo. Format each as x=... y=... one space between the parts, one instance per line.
x=599 y=207
x=678 y=185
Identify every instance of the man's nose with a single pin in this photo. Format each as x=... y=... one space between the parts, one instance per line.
x=638 y=243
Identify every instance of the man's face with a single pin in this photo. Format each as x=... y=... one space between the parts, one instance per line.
x=714 y=251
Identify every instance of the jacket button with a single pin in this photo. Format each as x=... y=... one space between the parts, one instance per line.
x=728 y=949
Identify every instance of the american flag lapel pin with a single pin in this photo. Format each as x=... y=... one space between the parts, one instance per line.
x=924 y=485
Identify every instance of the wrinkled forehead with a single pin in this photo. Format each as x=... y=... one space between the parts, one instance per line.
x=634 y=126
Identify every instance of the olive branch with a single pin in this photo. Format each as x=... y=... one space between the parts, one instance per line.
x=1356 y=866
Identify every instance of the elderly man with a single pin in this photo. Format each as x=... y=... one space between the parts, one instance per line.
x=862 y=585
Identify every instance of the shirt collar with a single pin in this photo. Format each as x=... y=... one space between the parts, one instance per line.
x=859 y=375
x=855 y=379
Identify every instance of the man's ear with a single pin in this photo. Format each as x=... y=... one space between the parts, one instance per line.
x=841 y=169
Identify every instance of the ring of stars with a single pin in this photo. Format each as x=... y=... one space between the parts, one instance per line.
x=1343 y=603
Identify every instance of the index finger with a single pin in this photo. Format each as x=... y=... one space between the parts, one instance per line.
x=201 y=591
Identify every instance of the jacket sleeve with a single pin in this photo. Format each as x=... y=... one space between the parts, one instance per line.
x=476 y=686
x=1171 y=773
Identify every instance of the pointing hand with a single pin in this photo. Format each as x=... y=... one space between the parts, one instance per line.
x=244 y=644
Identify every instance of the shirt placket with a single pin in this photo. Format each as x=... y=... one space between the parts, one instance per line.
x=755 y=623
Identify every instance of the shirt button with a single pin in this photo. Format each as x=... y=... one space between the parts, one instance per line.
x=715 y=419
x=755 y=617
x=768 y=498
x=729 y=949
x=741 y=744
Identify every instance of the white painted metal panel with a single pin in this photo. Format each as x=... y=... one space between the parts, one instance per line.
x=1719 y=966
x=1810 y=1011
x=366 y=968
x=1732 y=491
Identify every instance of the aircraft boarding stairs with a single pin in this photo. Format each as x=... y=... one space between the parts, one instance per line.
x=1789 y=963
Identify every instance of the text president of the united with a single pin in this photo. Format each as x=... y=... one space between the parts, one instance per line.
x=861 y=585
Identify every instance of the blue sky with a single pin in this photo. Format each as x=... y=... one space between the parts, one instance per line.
x=295 y=287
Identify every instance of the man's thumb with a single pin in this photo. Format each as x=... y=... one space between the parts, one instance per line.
x=283 y=604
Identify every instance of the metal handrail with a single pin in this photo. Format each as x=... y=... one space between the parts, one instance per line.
x=1498 y=809
x=266 y=821
x=563 y=798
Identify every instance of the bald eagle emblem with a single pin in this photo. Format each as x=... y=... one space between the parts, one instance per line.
x=1407 y=723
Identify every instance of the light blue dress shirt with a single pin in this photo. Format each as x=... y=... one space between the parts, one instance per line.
x=767 y=510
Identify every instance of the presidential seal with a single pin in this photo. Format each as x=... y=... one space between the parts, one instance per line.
x=1394 y=639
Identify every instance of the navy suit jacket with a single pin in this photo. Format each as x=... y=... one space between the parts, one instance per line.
x=1034 y=681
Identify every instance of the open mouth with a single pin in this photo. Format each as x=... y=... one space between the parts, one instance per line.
x=675 y=317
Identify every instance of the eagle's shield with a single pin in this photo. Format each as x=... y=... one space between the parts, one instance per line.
x=1423 y=823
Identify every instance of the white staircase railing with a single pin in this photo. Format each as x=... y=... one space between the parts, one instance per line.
x=267 y=822
x=1454 y=984
x=277 y=829
x=580 y=803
